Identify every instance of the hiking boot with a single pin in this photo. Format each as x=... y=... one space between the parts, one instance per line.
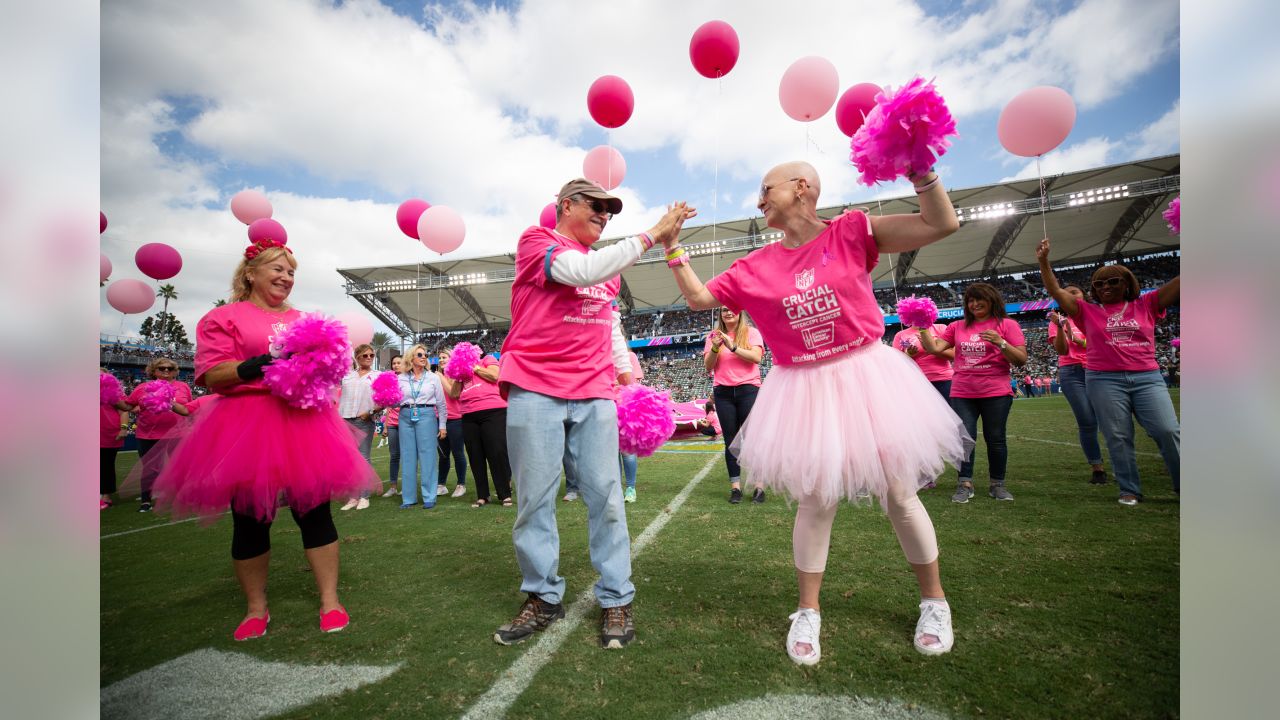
x=998 y=492
x=735 y=496
x=964 y=491
x=616 y=627
x=534 y=615
x=1099 y=477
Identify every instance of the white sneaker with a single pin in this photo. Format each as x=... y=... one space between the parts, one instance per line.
x=459 y=491
x=350 y=504
x=391 y=491
x=442 y=491
x=570 y=496
x=363 y=504
x=935 y=620
x=806 y=623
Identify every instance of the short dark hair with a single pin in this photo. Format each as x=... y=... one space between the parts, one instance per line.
x=983 y=291
x=1131 y=287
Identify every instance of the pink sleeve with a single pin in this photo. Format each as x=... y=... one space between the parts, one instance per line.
x=754 y=338
x=215 y=344
x=537 y=247
x=725 y=286
x=949 y=333
x=1151 y=304
x=136 y=396
x=1011 y=331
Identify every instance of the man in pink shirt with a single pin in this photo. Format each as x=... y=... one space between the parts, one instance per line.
x=558 y=367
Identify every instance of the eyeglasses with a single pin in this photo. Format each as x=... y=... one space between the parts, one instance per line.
x=364 y=355
x=764 y=189
x=597 y=206
x=1109 y=282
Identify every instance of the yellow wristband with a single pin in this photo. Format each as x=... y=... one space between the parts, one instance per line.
x=677 y=252
x=715 y=349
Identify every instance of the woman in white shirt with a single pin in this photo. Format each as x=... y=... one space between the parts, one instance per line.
x=355 y=405
x=422 y=423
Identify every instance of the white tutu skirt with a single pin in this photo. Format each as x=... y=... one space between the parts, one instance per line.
x=865 y=423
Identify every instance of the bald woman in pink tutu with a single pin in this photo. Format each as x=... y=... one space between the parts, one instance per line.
x=841 y=414
x=250 y=448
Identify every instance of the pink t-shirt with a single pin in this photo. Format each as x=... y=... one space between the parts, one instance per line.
x=108 y=427
x=154 y=426
x=453 y=407
x=980 y=368
x=480 y=394
x=935 y=369
x=234 y=333
x=392 y=418
x=637 y=372
x=560 y=343
x=814 y=302
x=1122 y=336
x=1075 y=354
x=731 y=369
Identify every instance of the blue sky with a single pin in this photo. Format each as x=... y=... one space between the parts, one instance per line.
x=339 y=111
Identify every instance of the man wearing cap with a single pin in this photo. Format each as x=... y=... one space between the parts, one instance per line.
x=557 y=371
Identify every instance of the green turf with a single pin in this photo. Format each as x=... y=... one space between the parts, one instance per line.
x=1065 y=603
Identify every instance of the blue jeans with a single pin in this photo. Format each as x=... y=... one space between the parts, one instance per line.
x=1119 y=397
x=1071 y=378
x=418 y=451
x=943 y=387
x=541 y=432
x=629 y=465
x=994 y=412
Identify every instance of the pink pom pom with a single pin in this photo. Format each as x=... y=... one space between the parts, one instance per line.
x=917 y=312
x=646 y=419
x=1173 y=216
x=462 y=361
x=157 y=396
x=902 y=133
x=316 y=356
x=1176 y=342
x=109 y=389
x=386 y=390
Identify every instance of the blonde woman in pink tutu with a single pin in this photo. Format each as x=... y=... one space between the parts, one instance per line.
x=250 y=448
x=841 y=414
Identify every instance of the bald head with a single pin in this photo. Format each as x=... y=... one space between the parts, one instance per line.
x=797 y=169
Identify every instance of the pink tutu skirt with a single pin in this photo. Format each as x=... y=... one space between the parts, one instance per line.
x=244 y=451
x=862 y=424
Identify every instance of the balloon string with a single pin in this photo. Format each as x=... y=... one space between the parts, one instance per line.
x=608 y=142
x=893 y=268
x=1043 y=199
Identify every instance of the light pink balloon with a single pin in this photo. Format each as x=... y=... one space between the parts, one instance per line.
x=130 y=296
x=104 y=269
x=407 y=216
x=441 y=229
x=359 y=328
x=548 y=217
x=610 y=101
x=267 y=229
x=250 y=205
x=159 y=261
x=854 y=105
x=809 y=88
x=102 y=222
x=1036 y=121
x=713 y=50
x=604 y=166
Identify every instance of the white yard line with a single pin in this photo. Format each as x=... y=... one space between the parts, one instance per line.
x=1059 y=442
x=504 y=691
x=149 y=527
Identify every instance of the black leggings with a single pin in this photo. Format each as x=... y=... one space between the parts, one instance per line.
x=485 y=434
x=449 y=448
x=107 y=470
x=733 y=405
x=150 y=471
x=251 y=537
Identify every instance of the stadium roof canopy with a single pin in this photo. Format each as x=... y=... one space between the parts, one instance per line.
x=1104 y=213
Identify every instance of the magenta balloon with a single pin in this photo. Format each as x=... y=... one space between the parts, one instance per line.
x=104 y=269
x=102 y=222
x=359 y=327
x=610 y=102
x=1036 y=121
x=267 y=229
x=714 y=49
x=548 y=217
x=604 y=166
x=407 y=216
x=130 y=296
x=250 y=205
x=159 y=261
x=441 y=229
x=853 y=106
x=809 y=88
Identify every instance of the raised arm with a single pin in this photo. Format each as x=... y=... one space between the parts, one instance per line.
x=1066 y=300
x=1167 y=295
x=935 y=221
x=587 y=269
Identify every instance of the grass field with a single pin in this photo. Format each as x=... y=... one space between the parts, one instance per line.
x=1065 y=603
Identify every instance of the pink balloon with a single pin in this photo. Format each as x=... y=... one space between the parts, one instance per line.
x=267 y=229
x=1036 y=121
x=610 y=102
x=130 y=296
x=441 y=229
x=714 y=49
x=102 y=222
x=104 y=269
x=548 y=217
x=359 y=328
x=407 y=216
x=809 y=88
x=250 y=205
x=604 y=166
x=853 y=106
x=159 y=261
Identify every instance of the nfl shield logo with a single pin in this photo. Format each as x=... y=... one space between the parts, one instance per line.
x=804 y=280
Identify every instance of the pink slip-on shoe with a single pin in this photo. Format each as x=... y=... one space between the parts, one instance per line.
x=334 y=620
x=252 y=628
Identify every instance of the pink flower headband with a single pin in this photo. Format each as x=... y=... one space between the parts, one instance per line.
x=253 y=250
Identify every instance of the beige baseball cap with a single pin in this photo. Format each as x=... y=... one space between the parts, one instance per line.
x=583 y=186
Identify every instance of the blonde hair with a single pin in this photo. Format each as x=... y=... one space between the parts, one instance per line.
x=240 y=286
x=151 y=366
x=356 y=353
x=408 y=358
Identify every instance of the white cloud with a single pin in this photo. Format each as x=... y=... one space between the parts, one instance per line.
x=1088 y=153
x=1160 y=137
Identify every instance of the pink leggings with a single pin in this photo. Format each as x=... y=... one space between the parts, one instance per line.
x=811 y=537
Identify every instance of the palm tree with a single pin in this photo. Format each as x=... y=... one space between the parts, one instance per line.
x=219 y=302
x=167 y=292
x=381 y=341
